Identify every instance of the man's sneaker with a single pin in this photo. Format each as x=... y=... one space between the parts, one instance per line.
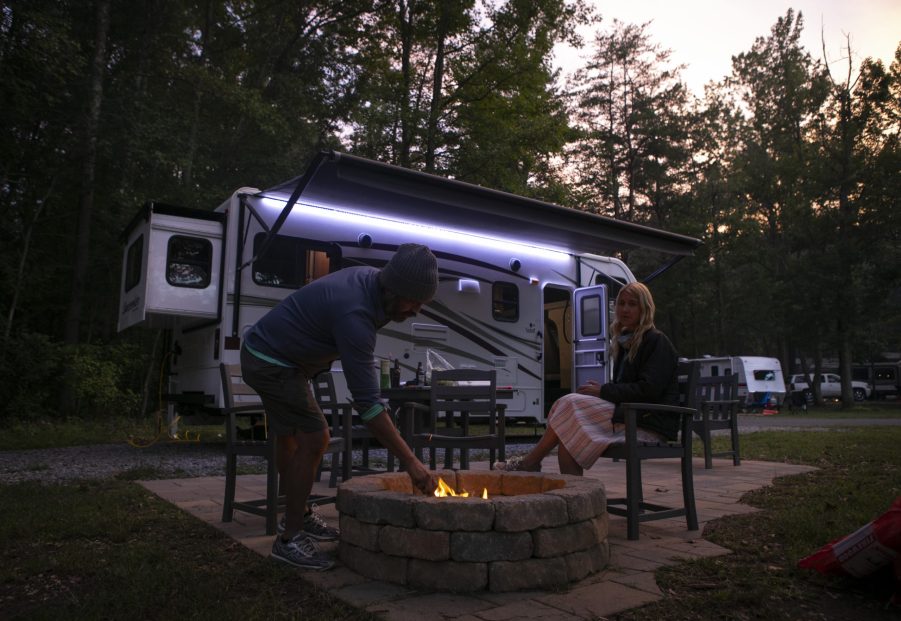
x=315 y=527
x=300 y=551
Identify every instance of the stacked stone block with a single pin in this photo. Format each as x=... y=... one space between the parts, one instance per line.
x=534 y=531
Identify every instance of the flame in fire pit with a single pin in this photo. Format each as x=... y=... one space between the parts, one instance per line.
x=444 y=491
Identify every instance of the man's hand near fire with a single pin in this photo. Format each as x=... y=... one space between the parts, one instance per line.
x=382 y=427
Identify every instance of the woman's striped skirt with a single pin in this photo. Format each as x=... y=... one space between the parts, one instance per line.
x=584 y=425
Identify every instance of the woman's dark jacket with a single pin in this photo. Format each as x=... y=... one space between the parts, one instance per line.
x=650 y=378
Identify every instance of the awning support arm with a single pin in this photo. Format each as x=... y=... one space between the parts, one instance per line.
x=301 y=185
x=660 y=270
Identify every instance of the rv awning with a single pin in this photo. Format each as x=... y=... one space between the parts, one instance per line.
x=365 y=186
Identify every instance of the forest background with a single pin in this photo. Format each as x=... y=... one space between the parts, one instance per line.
x=787 y=168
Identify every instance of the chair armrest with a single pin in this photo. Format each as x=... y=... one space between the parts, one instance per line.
x=630 y=416
x=409 y=427
x=657 y=407
x=415 y=405
x=241 y=410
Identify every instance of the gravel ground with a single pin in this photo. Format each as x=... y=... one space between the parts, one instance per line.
x=162 y=460
x=191 y=459
x=99 y=461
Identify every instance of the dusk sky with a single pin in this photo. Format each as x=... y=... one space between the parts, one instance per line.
x=705 y=34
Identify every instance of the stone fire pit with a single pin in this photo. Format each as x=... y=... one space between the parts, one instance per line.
x=535 y=531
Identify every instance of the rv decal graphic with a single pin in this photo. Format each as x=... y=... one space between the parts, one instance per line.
x=477 y=340
x=487 y=330
x=130 y=306
x=470 y=334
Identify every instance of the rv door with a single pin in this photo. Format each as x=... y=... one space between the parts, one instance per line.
x=590 y=355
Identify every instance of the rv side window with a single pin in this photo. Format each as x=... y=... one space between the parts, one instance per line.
x=764 y=376
x=189 y=262
x=505 y=301
x=134 y=263
x=289 y=262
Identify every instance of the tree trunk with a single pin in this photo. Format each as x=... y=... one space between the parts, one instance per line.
x=188 y=178
x=405 y=15
x=20 y=271
x=437 y=89
x=71 y=334
x=86 y=198
x=844 y=370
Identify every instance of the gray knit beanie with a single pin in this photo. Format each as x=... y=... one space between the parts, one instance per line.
x=411 y=273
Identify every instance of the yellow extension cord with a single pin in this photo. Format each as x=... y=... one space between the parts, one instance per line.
x=161 y=429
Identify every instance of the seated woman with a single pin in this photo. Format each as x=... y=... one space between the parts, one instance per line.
x=584 y=423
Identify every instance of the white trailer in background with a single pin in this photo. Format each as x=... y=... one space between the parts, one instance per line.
x=760 y=380
x=509 y=267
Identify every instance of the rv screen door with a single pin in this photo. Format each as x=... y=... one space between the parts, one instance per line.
x=590 y=341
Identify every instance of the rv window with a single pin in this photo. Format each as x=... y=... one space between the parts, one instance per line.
x=505 y=301
x=591 y=316
x=289 y=262
x=764 y=376
x=189 y=262
x=133 y=263
x=885 y=374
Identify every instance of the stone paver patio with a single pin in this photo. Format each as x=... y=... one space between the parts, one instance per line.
x=628 y=582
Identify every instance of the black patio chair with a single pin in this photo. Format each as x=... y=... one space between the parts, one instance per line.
x=633 y=506
x=717 y=404
x=458 y=399
x=241 y=401
x=352 y=428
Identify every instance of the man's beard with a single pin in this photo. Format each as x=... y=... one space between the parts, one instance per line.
x=398 y=316
x=395 y=314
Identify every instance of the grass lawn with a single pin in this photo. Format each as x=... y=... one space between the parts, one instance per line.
x=830 y=410
x=858 y=478
x=112 y=550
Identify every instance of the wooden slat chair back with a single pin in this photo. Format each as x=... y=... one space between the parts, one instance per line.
x=633 y=506
x=241 y=401
x=459 y=399
x=349 y=427
x=716 y=401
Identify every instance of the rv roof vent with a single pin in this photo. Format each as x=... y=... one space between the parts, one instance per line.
x=364 y=240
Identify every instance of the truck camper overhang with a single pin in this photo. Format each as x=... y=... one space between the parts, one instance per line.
x=361 y=186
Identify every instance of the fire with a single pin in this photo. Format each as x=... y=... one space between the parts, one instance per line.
x=444 y=491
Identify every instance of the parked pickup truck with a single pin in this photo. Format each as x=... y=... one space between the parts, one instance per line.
x=830 y=387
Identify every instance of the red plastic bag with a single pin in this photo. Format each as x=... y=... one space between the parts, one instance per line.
x=864 y=551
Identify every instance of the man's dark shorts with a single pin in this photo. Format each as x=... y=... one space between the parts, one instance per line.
x=286 y=394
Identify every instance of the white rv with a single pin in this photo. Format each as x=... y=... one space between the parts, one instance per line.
x=760 y=382
x=512 y=272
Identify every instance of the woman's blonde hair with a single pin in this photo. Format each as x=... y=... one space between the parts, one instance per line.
x=645 y=319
